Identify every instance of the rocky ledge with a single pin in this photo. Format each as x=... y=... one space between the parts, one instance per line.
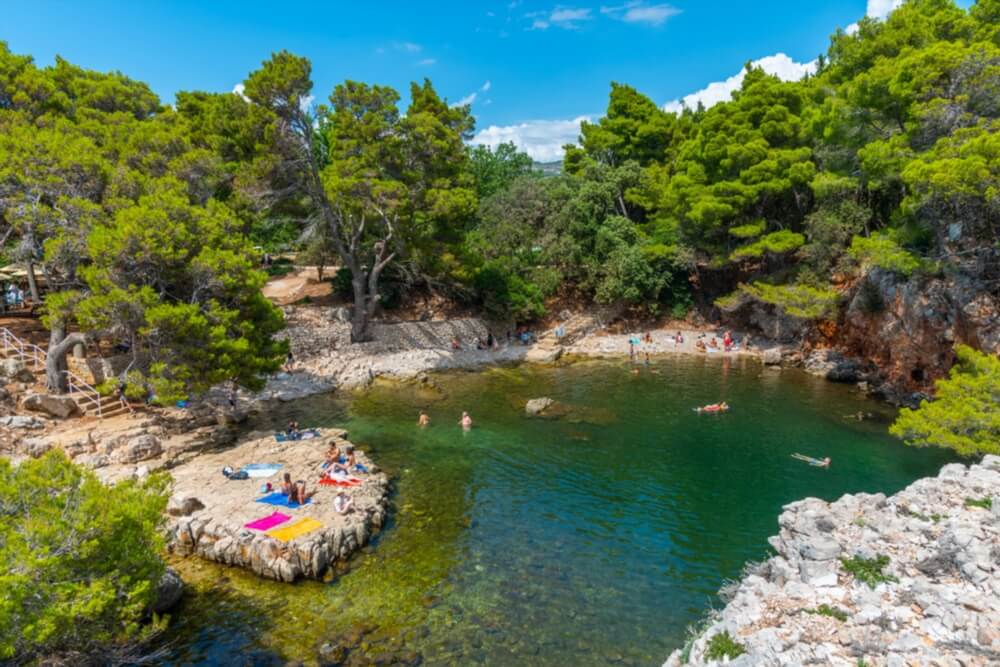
x=209 y=512
x=912 y=579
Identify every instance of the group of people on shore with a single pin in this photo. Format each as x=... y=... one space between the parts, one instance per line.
x=522 y=335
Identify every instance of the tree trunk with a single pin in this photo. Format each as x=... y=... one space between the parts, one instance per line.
x=33 y=284
x=359 y=314
x=55 y=364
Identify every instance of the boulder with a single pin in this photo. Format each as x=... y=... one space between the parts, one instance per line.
x=15 y=370
x=22 y=421
x=139 y=448
x=771 y=357
x=60 y=407
x=341 y=314
x=537 y=406
x=168 y=592
x=183 y=505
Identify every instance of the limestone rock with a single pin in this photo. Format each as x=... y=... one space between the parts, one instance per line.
x=183 y=505
x=139 y=448
x=22 y=422
x=537 y=406
x=15 y=370
x=60 y=407
x=771 y=356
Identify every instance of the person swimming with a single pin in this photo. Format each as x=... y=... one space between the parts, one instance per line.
x=466 y=421
x=423 y=419
x=714 y=407
x=819 y=463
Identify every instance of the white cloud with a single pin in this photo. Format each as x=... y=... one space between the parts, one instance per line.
x=567 y=18
x=471 y=97
x=426 y=62
x=880 y=9
x=541 y=139
x=779 y=65
x=640 y=12
x=409 y=47
x=852 y=29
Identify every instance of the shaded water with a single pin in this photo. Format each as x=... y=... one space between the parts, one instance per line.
x=591 y=539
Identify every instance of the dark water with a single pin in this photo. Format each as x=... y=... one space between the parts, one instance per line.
x=591 y=539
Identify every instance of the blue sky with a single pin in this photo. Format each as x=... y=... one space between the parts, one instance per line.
x=530 y=69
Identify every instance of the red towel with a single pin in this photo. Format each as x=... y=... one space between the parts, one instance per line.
x=353 y=481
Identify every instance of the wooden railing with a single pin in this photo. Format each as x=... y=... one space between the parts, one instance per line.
x=14 y=347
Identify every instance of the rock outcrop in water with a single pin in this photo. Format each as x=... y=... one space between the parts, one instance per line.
x=208 y=512
x=912 y=579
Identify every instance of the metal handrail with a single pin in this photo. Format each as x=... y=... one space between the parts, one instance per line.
x=76 y=384
x=38 y=356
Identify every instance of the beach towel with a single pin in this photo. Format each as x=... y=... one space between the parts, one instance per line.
x=340 y=481
x=268 y=522
x=279 y=499
x=303 y=435
x=261 y=469
x=293 y=530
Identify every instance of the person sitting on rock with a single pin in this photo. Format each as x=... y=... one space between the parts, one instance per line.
x=352 y=461
x=332 y=455
x=287 y=488
x=712 y=343
x=299 y=494
x=342 y=503
x=292 y=430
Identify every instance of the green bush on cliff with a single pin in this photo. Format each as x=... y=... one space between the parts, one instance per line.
x=722 y=646
x=798 y=300
x=965 y=416
x=79 y=562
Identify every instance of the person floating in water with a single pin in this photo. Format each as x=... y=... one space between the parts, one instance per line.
x=714 y=407
x=819 y=463
x=466 y=421
x=423 y=420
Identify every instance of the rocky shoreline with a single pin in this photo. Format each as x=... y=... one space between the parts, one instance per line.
x=209 y=512
x=909 y=579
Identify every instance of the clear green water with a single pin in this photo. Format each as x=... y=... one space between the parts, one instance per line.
x=591 y=539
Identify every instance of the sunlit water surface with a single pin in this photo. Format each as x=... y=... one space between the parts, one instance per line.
x=590 y=539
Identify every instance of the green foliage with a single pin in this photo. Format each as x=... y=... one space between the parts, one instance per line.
x=495 y=169
x=868 y=570
x=798 y=300
x=882 y=252
x=985 y=502
x=79 y=561
x=965 y=415
x=775 y=243
x=827 y=610
x=722 y=646
x=504 y=294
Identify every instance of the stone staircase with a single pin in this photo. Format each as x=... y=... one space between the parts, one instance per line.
x=88 y=399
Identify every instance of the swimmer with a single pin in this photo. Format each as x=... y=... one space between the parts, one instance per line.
x=423 y=420
x=466 y=421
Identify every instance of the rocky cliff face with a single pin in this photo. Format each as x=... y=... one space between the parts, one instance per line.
x=909 y=329
x=912 y=579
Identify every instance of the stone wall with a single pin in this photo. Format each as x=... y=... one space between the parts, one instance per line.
x=934 y=601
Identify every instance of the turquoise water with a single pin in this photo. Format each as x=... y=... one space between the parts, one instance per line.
x=592 y=538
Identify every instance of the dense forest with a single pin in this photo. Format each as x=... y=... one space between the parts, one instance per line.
x=148 y=221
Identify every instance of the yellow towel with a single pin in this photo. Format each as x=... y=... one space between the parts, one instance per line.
x=293 y=530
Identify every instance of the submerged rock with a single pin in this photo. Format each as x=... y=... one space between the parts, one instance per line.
x=537 y=406
x=168 y=592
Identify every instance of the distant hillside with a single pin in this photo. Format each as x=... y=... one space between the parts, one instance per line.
x=553 y=168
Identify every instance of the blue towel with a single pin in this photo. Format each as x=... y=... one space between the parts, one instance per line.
x=360 y=467
x=261 y=466
x=279 y=499
x=302 y=435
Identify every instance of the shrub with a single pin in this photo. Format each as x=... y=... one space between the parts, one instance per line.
x=798 y=300
x=722 y=646
x=965 y=416
x=79 y=561
x=985 y=503
x=827 y=610
x=868 y=570
x=775 y=243
x=880 y=251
